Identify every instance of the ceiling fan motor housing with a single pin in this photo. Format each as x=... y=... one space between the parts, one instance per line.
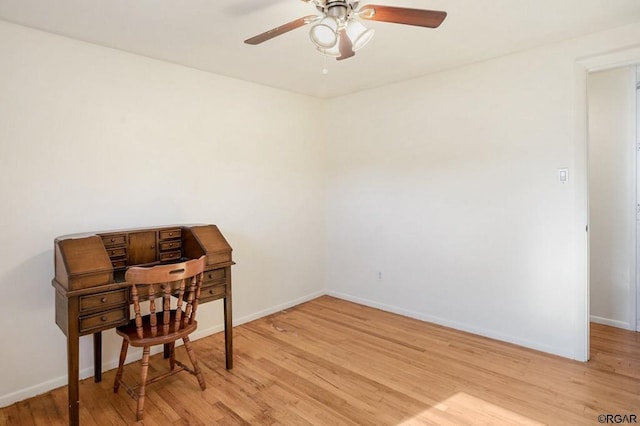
x=338 y=9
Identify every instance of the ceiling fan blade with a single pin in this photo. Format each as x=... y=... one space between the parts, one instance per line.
x=268 y=35
x=402 y=15
x=345 y=45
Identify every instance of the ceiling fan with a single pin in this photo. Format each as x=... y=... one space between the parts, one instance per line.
x=339 y=31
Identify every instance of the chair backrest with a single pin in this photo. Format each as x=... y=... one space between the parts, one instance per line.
x=181 y=280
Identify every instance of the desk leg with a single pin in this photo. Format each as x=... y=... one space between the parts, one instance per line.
x=167 y=350
x=97 y=357
x=228 y=326
x=73 y=360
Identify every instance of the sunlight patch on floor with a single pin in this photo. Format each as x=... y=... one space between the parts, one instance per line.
x=463 y=408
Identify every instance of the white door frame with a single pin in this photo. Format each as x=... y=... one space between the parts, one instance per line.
x=636 y=319
x=583 y=66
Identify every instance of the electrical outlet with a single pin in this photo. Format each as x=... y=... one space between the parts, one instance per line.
x=379 y=276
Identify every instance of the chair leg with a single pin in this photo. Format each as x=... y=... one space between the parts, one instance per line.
x=143 y=381
x=194 y=361
x=123 y=355
x=172 y=355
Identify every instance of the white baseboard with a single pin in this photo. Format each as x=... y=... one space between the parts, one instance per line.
x=456 y=325
x=40 y=388
x=278 y=308
x=611 y=322
x=135 y=353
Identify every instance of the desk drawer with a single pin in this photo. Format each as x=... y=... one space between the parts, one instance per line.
x=212 y=293
x=170 y=255
x=103 y=300
x=119 y=263
x=169 y=234
x=104 y=320
x=114 y=240
x=117 y=252
x=170 y=245
x=214 y=276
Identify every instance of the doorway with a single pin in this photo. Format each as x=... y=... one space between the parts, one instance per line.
x=613 y=146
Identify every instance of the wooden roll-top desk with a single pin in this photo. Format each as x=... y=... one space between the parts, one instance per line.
x=92 y=295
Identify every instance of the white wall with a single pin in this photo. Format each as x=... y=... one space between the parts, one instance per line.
x=447 y=184
x=93 y=139
x=612 y=176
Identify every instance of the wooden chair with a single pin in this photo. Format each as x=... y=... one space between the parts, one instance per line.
x=162 y=326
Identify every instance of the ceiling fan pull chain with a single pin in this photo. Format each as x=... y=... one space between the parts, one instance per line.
x=325 y=70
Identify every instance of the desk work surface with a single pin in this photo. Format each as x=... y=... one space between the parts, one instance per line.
x=90 y=268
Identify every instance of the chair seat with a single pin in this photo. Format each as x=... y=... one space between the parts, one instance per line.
x=129 y=333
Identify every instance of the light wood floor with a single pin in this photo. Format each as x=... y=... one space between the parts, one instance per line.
x=331 y=362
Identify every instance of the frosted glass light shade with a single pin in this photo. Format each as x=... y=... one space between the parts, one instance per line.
x=324 y=34
x=333 y=51
x=359 y=34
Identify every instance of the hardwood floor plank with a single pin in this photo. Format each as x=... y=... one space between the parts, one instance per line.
x=45 y=411
x=24 y=414
x=333 y=362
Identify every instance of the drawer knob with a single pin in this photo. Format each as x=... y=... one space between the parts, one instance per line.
x=170 y=244
x=103 y=300
x=113 y=240
x=103 y=319
x=210 y=291
x=170 y=234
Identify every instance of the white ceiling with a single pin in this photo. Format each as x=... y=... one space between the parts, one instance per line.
x=209 y=34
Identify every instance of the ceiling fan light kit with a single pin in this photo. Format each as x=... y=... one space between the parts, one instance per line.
x=339 y=32
x=359 y=34
x=325 y=33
